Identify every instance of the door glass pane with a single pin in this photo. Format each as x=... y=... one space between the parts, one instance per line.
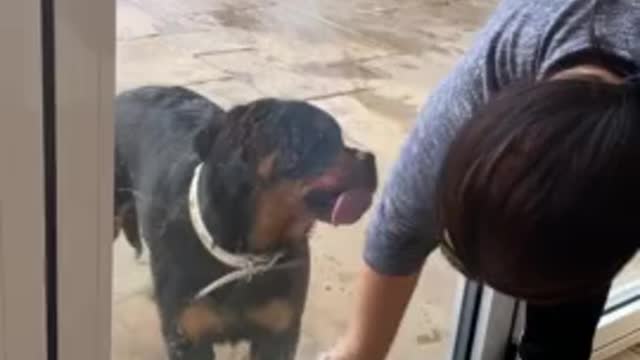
x=617 y=337
x=369 y=63
x=24 y=258
x=630 y=275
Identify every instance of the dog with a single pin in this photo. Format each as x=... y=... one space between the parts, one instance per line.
x=225 y=202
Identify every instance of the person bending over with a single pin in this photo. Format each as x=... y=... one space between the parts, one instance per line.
x=524 y=167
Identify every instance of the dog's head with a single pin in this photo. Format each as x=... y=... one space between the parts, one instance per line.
x=274 y=167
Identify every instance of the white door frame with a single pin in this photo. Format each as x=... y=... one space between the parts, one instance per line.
x=85 y=75
x=488 y=320
x=23 y=315
x=500 y=322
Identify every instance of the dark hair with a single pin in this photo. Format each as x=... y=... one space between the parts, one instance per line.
x=540 y=191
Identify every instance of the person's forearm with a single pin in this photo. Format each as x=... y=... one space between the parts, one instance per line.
x=380 y=305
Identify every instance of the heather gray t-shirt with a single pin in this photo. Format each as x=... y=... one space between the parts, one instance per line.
x=523 y=39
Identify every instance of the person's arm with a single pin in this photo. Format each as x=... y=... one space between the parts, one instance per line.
x=381 y=299
x=402 y=232
x=400 y=235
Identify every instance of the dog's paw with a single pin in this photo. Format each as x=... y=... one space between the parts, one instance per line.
x=178 y=346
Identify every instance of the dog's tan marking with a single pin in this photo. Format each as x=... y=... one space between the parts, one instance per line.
x=199 y=321
x=280 y=214
x=265 y=167
x=276 y=316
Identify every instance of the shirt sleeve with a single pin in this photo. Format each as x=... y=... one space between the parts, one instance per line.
x=402 y=231
x=520 y=41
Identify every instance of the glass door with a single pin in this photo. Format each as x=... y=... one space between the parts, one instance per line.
x=358 y=62
x=368 y=63
x=220 y=49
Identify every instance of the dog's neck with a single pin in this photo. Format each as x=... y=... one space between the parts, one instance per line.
x=227 y=226
x=230 y=220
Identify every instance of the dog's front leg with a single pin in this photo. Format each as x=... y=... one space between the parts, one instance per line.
x=182 y=344
x=180 y=350
x=276 y=347
x=187 y=327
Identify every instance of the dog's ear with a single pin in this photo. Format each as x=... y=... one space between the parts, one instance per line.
x=206 y=135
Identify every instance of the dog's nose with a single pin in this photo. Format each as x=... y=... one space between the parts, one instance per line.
x=367 y=158
x=364 y=156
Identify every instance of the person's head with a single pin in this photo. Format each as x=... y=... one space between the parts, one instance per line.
x=539 y=195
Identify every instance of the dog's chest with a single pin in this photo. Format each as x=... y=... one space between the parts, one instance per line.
x=239 y=316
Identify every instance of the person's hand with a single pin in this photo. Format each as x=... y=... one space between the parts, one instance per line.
x=345 y=349
x=338 y=352
x=380 y=304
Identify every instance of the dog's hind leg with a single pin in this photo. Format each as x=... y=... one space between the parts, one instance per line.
x=129 y=217
x=125 y=213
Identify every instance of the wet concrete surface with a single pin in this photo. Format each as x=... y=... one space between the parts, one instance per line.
x=370 y=63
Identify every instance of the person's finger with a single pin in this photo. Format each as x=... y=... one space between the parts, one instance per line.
x=330 y=355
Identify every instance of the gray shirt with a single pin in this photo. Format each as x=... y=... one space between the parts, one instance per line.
x=523 y=40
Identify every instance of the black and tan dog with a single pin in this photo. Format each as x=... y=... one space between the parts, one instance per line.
x=225 y=202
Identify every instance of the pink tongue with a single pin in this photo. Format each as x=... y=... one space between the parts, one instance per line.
x=350 y=206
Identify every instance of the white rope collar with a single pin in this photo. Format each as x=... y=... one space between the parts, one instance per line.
x=246 y=265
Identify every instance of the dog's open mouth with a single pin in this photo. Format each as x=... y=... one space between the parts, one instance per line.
x=343 y=193
x=340 y=207
x=350 y=206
